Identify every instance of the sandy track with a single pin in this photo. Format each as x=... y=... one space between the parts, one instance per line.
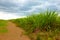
x=14 y=33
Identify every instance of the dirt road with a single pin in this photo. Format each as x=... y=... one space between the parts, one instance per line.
x=14 y=33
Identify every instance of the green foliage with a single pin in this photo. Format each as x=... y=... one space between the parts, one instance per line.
x=3 y=25
x=45 y=21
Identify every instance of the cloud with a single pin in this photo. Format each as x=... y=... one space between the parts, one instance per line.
x=7 y=16
x=24 y=7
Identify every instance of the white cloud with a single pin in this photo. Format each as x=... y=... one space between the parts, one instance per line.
x=19 y=2
x=27 y=6
x=41 y=6
x=6 y=16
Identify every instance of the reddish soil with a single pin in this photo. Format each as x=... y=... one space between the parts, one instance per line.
x=14 y=33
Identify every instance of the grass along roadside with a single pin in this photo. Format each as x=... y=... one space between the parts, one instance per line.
x=46 y=23
x=3 y=25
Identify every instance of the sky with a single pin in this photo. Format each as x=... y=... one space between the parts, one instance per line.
x=10 y=9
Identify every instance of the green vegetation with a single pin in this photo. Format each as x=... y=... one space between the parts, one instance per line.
x=3 y=25
x=48 y=22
